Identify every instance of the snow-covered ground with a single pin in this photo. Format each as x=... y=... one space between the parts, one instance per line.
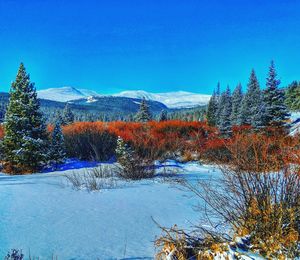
x=42 y=213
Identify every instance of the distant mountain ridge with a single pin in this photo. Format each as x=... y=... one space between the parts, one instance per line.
x=91 y=108
x=65 y=94
x=177 y=99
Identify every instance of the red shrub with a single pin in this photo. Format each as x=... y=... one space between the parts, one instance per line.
x=152 y=140
x=89 y=141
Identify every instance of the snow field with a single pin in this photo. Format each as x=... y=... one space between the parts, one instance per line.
x=42 y=212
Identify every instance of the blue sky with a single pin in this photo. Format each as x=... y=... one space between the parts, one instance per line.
x=154 y=45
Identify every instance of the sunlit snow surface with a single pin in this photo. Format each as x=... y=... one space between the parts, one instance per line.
x=295 y=123
x=41 y=212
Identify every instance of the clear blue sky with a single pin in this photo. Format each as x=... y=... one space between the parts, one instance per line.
x=154 y=45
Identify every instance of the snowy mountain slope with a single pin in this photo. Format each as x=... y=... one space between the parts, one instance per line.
x=178 y=99
x=60 y=94
x=65 y=94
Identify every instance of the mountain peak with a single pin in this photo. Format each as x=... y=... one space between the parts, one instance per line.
x=64 y=94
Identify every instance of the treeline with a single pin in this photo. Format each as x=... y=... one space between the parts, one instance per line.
x=257 y=108
x=185 y=114
x=50 y=110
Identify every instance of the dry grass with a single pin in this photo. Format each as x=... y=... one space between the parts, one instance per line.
x=102 y=177
x=258 y=196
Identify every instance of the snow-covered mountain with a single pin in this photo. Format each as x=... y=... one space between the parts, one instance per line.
x=65 y=94
x=178 y=99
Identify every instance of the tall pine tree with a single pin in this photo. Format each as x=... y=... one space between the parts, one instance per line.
x=237 y=98
x=163 y=116
x=67 y=115
x=212 y=109
x=276 y=109
x=57 y=148
x=25 y=131
x=143 y=115
x=251 y=102
x=219 y=103
x=225 y=115
x=258 y=120
x=292 y=96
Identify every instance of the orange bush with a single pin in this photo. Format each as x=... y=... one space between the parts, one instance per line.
x=89 y=141
x=152 y=140
x=160 y=140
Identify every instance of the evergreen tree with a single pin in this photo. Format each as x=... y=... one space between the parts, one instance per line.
x=221 y=105
x=212 y=109
x=292 y=96
x=25 y=131
x=143 y=115
x=218 y=90
x=163 y=116
x=57 y=149
x=251 y=103
x=259 y=118
x=225 y=115
x=67 y=116
x=237 y=98
x=122 y=149
x=276 y=109
x=124 y=153
x=218 y=97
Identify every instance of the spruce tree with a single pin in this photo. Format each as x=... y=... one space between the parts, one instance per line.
x=237 y=98
x=292 y=96
x=25 y=131
x=225 y=115
x=259 y=117
x=218 y=97
x=251 y=102
x=276 y=109
x=125 y=155
x=212 y=109
x=57 y=148
x=67 y=115
x=163 y=116
x=143 y=115
x=220 y=108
